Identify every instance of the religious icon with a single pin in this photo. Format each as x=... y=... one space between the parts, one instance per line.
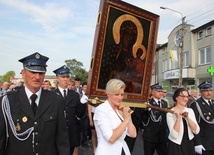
x=124 y=48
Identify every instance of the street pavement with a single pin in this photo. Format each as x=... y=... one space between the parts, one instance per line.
x=86 y=150
x=138 y=148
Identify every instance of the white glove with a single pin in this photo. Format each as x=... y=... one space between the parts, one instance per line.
x=84 y=99
x=199 y=148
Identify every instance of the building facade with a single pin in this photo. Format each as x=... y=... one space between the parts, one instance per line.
x=198 y=57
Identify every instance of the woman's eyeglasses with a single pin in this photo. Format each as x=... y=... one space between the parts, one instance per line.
x=184 y=96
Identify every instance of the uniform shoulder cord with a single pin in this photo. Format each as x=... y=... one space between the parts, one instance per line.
x=8 y=117
x=202 y=116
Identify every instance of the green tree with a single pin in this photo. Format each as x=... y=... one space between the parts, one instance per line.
x=6 y=77
x=77 y=69
x=1 y=80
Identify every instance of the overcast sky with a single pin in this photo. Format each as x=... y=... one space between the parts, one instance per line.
x=64 y=29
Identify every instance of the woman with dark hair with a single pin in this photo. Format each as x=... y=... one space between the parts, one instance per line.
x=182 y=125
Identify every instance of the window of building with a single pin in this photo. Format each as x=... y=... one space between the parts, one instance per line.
x=174 y=64
x=165 y=65
x=200 y=35
x=186 y=59
x=191 y=82
x=164 y=51
x=208 y=31
x=205 y=55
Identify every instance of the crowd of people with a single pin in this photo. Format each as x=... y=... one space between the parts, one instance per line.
x=6 y=87
x=37 y=118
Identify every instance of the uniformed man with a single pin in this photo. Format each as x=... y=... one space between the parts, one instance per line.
x=73 y=108
x=204 y=113
x=155 y=128
x=32 y=119
x=77 y=87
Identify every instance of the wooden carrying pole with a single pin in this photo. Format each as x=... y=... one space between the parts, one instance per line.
x=95 y=102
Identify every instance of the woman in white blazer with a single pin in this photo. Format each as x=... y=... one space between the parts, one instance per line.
x=111 y=124
x=181 y=127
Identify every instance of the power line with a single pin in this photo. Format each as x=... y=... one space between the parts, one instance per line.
x=199 y=16
x=195 y=19
x=199 y=10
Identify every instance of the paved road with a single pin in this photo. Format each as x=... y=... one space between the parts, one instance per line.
x=86 y=150
x=138 y=148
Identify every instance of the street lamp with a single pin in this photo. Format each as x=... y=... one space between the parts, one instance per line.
x=181 y=44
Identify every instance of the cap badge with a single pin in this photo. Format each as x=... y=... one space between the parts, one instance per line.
x=37 y=56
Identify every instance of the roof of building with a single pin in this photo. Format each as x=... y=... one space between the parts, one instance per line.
x=203 y=26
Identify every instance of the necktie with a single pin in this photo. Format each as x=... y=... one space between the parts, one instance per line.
x=158 y=113
x=33 y=103
x=64 y=91
x=210 y=104
x=159 y=103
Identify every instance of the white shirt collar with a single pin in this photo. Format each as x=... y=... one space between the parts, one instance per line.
x=156 y=100
x=29 y=93
x=83 y=93
x=207 y=101
x=61 y=90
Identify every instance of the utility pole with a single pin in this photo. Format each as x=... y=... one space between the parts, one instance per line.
x=181 y=45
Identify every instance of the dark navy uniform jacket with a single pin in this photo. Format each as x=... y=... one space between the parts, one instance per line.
x=206 y=134
x=73 y=110
x=50 y=132
x=155 y=131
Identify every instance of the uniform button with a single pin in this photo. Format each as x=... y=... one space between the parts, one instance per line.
x=35 y=123
x=51 y=117
x=36 y=133
x=37 y=153
x=37 y=143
